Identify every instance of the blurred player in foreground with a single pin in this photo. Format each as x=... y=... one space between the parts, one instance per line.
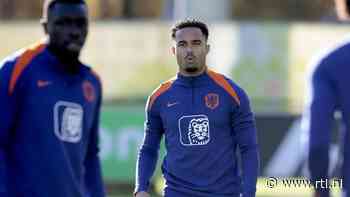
x=328 y=92
x=49 y=115
x=204 y=117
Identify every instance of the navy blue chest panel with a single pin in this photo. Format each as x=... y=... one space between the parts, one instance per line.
x=197 y=116
x=59 y=107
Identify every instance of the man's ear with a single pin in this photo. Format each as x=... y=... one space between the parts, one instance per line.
x=173 y=50
x=44 y=25
x=208 y=48
x=342 y=9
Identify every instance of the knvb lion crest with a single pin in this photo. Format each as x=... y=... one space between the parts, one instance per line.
x=212 y=100
x=199 y=131
x=194 y=130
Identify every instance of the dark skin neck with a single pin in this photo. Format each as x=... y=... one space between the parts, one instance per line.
x=69 y=61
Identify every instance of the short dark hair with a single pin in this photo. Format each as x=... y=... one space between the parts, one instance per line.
x=347 y=3
x=49 y=4
x=190 y=23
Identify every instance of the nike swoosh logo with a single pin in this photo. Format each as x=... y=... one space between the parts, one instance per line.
x=172 y=104
x=43 y=83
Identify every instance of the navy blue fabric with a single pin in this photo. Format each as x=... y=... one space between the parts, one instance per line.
x=328 y=92
x=44 y=107
x=201 y=163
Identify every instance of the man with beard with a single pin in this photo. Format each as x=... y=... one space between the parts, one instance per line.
x=49 y=117
x=204 y=117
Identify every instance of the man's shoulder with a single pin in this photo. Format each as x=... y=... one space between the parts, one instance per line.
x=227 y=83
x=22 y=56
x=220 y=77
x=329 y=59
x=92 y=74
x=163 y=87
x=10 y=60
x=15 y=64
x=332 y=55
x=160 y=90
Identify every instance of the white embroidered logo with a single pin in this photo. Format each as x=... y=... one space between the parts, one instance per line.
x=68 y=119
x=194 y=130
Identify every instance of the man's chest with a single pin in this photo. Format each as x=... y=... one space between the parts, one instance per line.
x=65 y=108
x=194 y=115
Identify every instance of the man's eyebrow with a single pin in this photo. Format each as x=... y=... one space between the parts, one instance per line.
x=197 y=41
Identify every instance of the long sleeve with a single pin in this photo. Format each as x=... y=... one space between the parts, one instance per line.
x=3 y=189
x=320 y=116
x=93 y=175
x=148 y=153
x=8 y=108
x=245 y=133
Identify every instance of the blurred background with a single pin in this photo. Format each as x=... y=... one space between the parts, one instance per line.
x=264 y=45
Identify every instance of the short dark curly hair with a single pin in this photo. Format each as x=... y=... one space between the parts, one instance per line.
x=190 y=23
x=49 y=4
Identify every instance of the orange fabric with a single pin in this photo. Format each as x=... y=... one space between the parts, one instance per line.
x=221 y=81
x=22 y=62
x=159 y=91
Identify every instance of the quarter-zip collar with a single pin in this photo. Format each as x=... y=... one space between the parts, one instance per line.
x=196 y=81
x=57 y=66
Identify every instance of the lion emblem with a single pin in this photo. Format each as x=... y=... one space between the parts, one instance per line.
x=71 y=124
x=198 y=131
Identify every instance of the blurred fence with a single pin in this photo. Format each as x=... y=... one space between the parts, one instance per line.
x=24 y=9
x=241 y=9
x=269 y=60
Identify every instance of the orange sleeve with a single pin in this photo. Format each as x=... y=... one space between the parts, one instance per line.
x=159 y=91
x=221 y=81
x=22 y=62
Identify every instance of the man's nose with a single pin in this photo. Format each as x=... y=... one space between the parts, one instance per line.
x=189 y=49
x=75 y=31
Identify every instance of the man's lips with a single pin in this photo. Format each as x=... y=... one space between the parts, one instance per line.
x=74 y=46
